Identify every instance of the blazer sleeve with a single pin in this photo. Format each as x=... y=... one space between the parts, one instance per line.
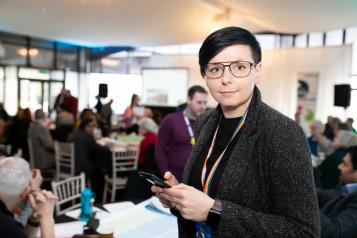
x=342 y=225
x=45 y=139
x=97 y=148
x=293 y=209
x=162 y=143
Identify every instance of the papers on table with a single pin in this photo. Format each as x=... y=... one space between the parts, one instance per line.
x=146 y=219
x=112 y=209
x=99 y=213
x=117 y=208
x=67 y=230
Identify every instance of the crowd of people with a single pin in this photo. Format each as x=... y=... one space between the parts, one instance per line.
x=241 y=168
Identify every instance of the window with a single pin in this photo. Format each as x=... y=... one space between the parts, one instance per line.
x=334 y=37
x=286 y=41
x=300 y=41
x=315 y=39
x=13 y=54
x=28 y=73
x=11 y=90
x=267 y=42
x=351 y=35
x=43 y=57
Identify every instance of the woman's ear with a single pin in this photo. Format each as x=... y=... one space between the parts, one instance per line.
x=258 y=73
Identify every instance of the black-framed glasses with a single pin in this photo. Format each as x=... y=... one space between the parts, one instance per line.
x=238 y=69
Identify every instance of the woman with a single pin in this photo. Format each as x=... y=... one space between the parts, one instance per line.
x=130 y=116
x=249 y=174
x=148 y=129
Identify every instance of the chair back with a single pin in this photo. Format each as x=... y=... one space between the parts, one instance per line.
x=64 y=154
x=124 y=161
x=31 y=153
x=68 y=192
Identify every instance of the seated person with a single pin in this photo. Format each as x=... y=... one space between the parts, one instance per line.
x=90 y=157
x=338 y=207
x=316 y=127
x=64 y=123
x=15 y=187
x=147 y=163
x=23 y=210
x=42 y=142
x=342 y=138
x=148 y=129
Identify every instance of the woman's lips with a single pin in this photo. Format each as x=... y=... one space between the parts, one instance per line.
x=227 y=93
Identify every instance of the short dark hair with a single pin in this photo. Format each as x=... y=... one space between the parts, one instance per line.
x=84 y=123
x=353 y=153
x=195 y=89
x=39 y=114
x=224 y=38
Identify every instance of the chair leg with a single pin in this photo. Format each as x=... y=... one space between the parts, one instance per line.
x=105 y=192
x=113 y=192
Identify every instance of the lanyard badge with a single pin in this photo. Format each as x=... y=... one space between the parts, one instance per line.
x=189 y=128
x=206 y=180
x=202 y=230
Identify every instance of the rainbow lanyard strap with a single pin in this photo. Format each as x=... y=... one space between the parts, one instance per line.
x=206 y=182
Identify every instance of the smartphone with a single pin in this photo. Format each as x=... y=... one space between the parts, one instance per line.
x=153 y=179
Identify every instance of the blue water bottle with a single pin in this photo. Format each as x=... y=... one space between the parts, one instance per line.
x=86 y=206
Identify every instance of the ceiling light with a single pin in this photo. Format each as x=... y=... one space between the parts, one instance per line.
x=110 y=62
x=221 y=20
x=23 y=52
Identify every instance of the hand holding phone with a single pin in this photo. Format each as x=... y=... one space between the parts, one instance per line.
x=153 y=179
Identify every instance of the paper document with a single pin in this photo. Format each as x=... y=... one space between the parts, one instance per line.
x=67 y=230
x=99 y=213
x=118 y=207
x=146 y=219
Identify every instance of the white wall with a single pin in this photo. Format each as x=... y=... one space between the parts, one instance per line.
x=280 y=69
x=166 y=61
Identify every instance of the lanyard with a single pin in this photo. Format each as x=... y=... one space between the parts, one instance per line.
x=206 y=182
x=189 y=128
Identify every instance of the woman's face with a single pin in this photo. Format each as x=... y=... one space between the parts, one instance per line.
x=231 y=92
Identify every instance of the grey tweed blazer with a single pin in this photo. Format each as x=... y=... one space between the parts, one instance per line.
x=267 y=187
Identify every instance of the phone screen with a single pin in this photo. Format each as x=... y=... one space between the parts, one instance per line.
x=153 y=179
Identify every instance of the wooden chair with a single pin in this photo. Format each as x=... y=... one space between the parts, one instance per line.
x=64 y=154
x=68 y=192
x=122 y=161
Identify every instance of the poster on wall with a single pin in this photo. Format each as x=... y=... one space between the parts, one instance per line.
x=307 y=96
x=157 y=97
x=164 y=86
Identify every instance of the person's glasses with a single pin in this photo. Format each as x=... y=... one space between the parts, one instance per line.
x=238 y=69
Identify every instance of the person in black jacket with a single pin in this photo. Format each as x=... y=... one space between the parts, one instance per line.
x=338 y=207
x=90 y=157
x=249 y=173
